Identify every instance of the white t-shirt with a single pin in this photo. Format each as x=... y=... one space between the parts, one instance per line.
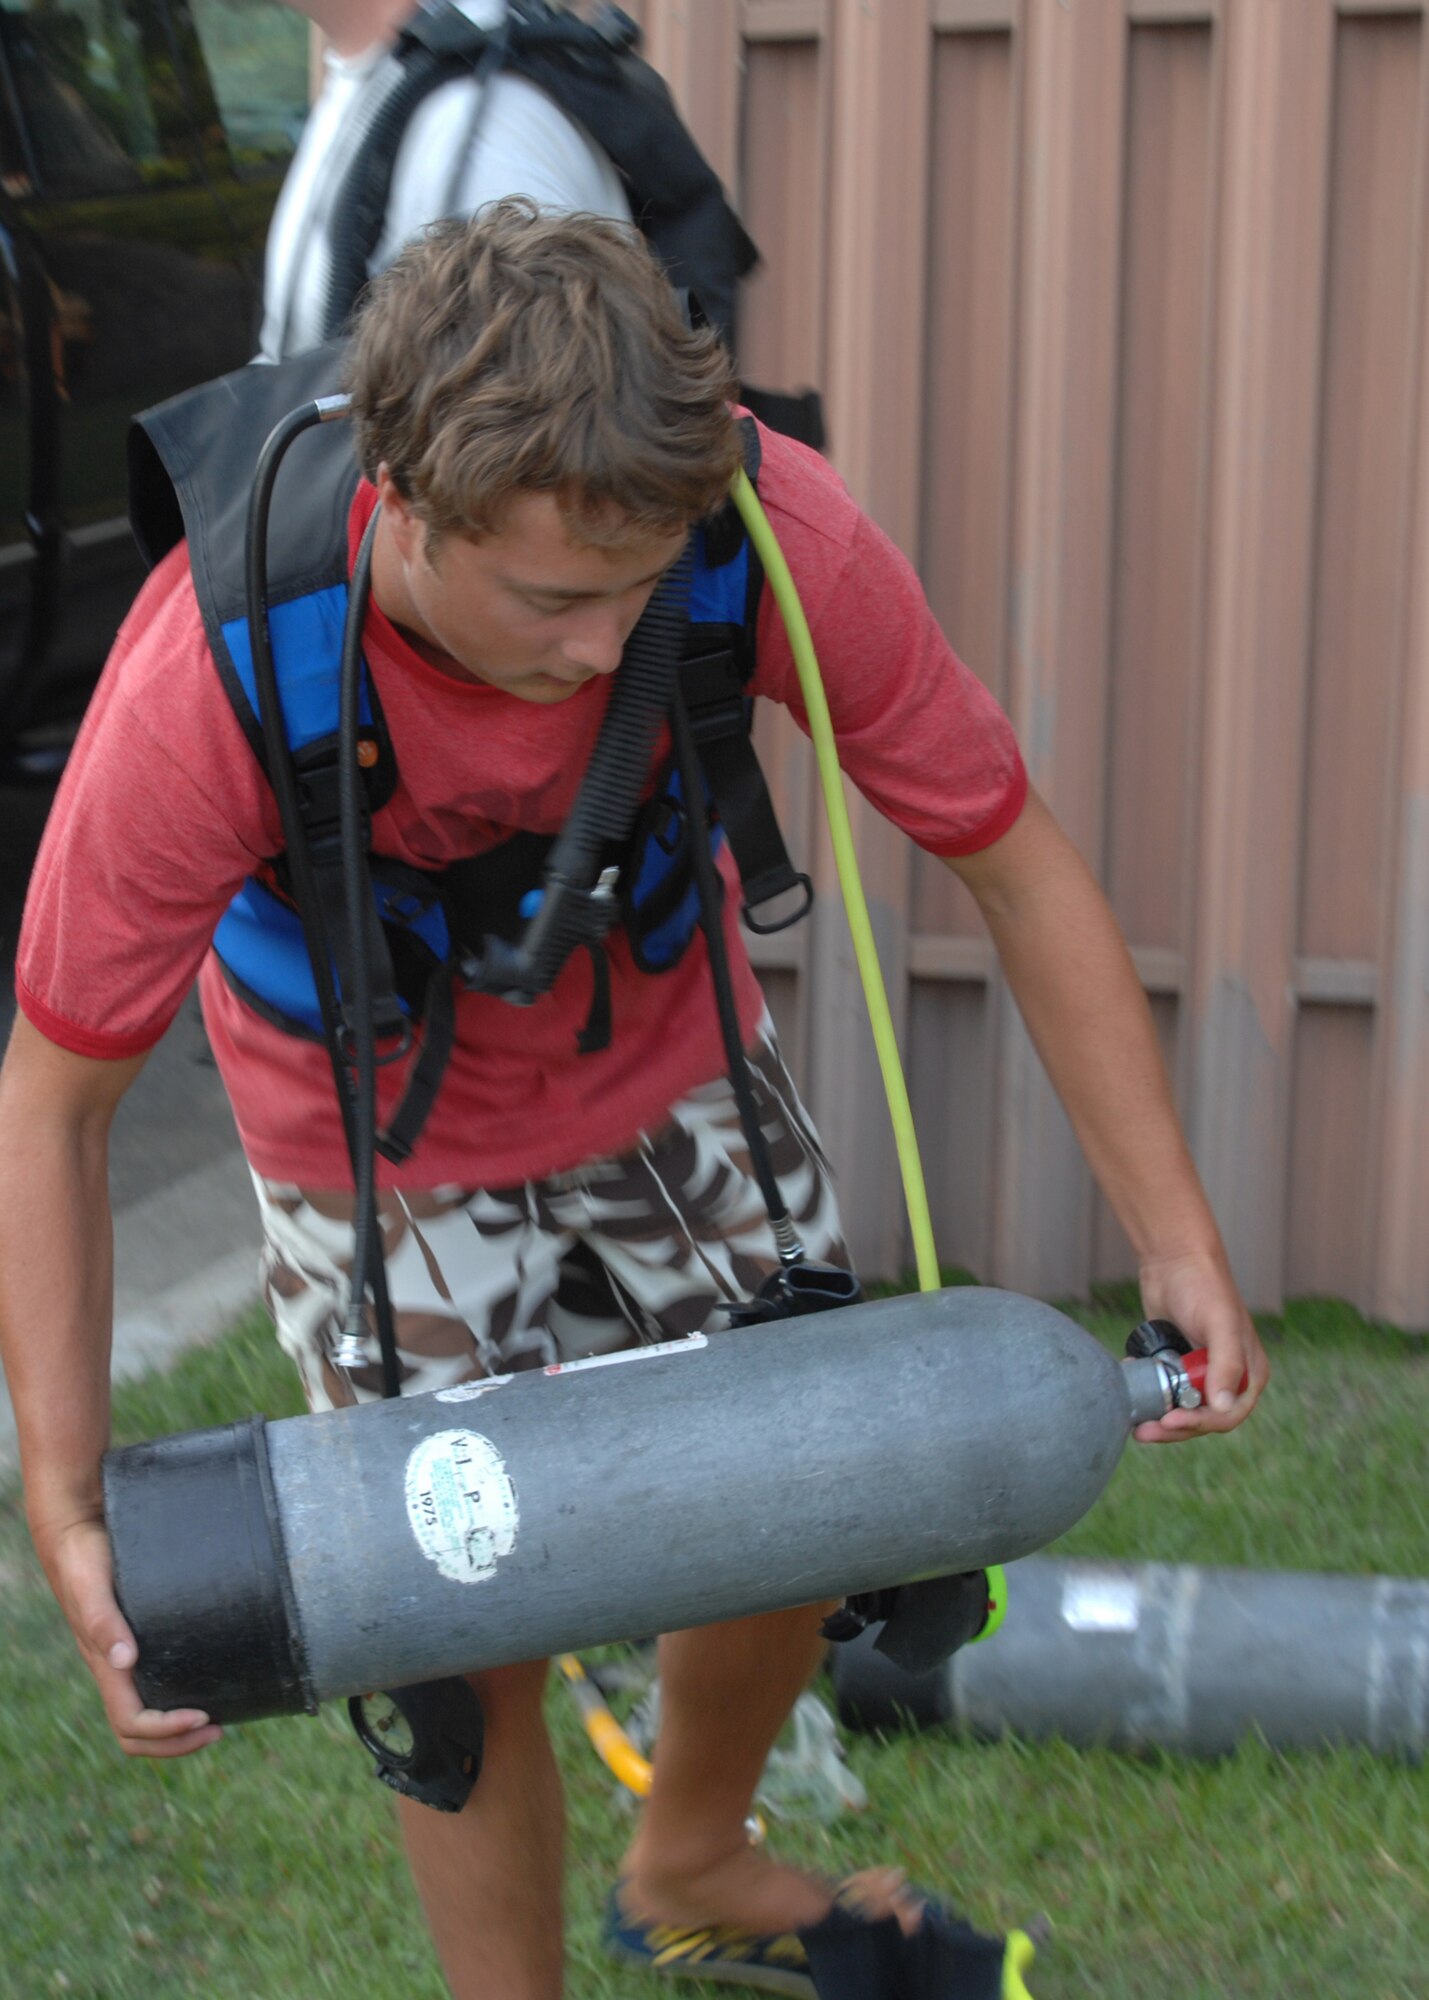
x=457 y=152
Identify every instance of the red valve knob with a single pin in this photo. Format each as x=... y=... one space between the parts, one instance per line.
x=1194 y=1365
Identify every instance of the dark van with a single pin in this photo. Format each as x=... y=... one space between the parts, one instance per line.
x=142 y=143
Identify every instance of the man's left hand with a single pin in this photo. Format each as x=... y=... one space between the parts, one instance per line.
x=1198 y=1294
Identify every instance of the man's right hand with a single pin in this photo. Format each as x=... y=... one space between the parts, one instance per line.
x=77 y=1561
x=56 y=1303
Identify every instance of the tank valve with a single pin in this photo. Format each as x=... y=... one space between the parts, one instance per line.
x=1164 y=1372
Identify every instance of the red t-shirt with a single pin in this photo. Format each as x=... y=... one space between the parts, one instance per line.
x=163 y=811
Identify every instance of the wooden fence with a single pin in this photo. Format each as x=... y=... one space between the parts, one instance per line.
x=1118 y=310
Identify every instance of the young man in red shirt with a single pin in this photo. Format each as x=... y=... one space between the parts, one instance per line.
x=540 y=431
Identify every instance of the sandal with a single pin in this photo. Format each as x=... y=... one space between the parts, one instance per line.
x=846 y=1956
x=775 y=1962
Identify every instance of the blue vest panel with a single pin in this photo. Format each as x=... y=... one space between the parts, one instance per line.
x=259 y=939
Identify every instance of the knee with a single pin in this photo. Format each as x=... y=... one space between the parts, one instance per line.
x=514 y=1694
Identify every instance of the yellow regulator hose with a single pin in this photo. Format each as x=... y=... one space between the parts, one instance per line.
x=875 y=996
x=609 y=1739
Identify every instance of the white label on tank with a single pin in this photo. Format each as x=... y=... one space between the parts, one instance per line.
x=461 y=1504
x=691 y=1344
x=464 y=1391
x=1100 y=1604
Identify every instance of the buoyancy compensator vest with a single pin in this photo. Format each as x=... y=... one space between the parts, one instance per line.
x=192 y=466
x=591 y=70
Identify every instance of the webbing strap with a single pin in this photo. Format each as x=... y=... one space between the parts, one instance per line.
x=718 y=708
x=404 y=1128
x=388 y=1018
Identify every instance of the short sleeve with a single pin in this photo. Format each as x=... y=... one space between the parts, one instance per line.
x=918 y=733
x=138 y=860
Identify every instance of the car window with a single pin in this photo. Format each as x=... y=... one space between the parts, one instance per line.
x=142 y=145
x=85 y=86
x=258 y=61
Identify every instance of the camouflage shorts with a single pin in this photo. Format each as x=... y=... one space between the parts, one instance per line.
x=616 y=1253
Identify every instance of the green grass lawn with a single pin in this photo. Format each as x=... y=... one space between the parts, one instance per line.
x=265 y=1868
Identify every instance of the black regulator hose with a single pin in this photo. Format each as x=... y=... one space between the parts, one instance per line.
x=361 y=206
x=437 y=44
x=281 y=773
x=574 y=908
x=369 y=1266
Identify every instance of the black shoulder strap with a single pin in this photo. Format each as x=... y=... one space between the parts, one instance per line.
x=438 y=43
x=191 y=467
x=191 y=462
x=675 y=195
x=714 y=680
x=591 y=71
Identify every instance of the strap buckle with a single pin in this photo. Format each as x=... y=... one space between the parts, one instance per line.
x=798 y=881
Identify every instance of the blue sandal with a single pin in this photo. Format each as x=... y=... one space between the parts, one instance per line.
x=775 y=1962
x=848 y=1956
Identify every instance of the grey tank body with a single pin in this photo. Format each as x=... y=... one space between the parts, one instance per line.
x=773 y=1466
x=1136 y=1655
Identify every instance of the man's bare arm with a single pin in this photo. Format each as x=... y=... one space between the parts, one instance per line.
x=1072 y=976
x=56 y=1317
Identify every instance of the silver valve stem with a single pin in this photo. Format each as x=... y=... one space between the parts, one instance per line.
x=786 y=1240
x=1156 y=1370
x=350 y=1352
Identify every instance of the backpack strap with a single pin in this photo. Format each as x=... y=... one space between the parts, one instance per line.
x=591 y=71
x=191 y=467
x=715 y=687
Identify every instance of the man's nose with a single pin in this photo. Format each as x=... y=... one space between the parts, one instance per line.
x=597 y=642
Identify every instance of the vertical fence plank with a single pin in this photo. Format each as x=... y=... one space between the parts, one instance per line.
x=696 y=50
x=1355 y=659
x=783 y=197
x=1267 y=361
x=1160 y=499
x=1399 y=1276
x=1401 y=1241
x=965 y=561
x=1160 y=440
x=1074 y=82
x=873 y=304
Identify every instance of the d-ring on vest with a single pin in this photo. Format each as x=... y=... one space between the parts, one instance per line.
x=191 y=469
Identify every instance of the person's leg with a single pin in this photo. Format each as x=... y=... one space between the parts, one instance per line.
x=725 y=1693
x=681 y=1229
x=469 y=1276
x=489 y=1877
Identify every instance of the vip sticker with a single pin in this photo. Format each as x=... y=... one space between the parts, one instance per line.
x=461 y=1504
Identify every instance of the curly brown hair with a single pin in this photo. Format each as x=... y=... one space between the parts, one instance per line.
x=516 y=352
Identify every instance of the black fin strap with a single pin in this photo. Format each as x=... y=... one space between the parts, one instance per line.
x=854 y=1957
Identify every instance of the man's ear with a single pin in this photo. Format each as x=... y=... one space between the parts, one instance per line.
x=407 y=532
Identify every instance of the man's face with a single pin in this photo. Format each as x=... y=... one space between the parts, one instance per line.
x=530 y=609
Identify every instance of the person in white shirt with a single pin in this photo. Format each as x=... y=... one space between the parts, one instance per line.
x=467 y=143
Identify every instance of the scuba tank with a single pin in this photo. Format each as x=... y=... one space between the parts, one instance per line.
x=265 y=1568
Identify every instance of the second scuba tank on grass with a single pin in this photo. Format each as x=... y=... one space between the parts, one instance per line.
x=1171 y=1656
